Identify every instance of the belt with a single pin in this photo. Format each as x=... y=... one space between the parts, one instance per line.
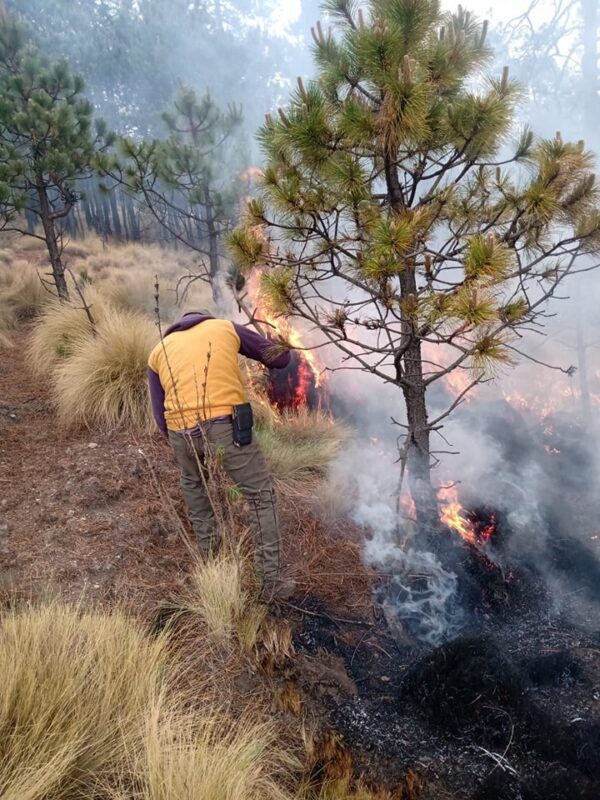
x=198 y=430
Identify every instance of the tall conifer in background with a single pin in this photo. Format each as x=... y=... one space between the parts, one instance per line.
x=395 y=217
x=188 y=180
x=47 y=142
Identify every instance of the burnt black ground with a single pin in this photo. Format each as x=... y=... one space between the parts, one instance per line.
x=506 y=710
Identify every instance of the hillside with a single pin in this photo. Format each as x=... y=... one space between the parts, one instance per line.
x=93 y=516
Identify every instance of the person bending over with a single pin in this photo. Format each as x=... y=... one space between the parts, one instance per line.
x=200 y=404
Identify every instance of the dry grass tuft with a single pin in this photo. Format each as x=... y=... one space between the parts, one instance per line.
x=22 y=295
x=59 y=329
x=218 y=596
x=289 y=699
x=75 y=685
x=330 y=766
x=103 y=384
x=212 y=757
x=134 y=290
x=249 y=626
x=300 y=445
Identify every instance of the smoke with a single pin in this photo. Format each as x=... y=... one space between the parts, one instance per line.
x=419 y=592
x=134 y=54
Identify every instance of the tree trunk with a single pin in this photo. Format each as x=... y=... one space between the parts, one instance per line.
x=213 y=250
x=104 y=215
x=58 y=270
x=114 y=210
x=409 y=375
x=131 y=216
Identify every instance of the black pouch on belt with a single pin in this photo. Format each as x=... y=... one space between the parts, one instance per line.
x=242 y=424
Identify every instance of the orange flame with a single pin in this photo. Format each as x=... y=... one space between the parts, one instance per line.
x=286 y=330
x=454 y=516
x=457 y=382
x=407 y=506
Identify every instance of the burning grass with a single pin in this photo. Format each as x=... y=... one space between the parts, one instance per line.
x=102 y=385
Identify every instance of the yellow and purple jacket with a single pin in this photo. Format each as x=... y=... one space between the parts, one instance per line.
x=194 y=373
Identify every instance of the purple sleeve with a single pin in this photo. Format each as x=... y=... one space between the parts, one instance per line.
x=157 y=398
x=259 y=348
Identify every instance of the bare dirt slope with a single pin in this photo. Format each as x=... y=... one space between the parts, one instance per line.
x=80 y=512
x=102 y=513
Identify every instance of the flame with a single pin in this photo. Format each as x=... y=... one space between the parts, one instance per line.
x=457 y=382
x=454 y=516
x=543 y=404
x=286 y=330
x=407 y=506
x=292 y=335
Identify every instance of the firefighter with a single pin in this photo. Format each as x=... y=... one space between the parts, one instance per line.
x=200 y=404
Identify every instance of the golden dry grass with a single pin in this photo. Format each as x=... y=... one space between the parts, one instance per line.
x=124 y=273
x=102 y=385
x=211 y=756
x=218 y=595
x=300 y=445
x=75 y=685
x=22 y=295
x=134 y=290
x=59 y=329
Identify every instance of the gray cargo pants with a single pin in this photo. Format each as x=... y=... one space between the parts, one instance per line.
x=247 y=468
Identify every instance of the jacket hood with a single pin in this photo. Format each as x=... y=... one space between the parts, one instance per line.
x=188 y=321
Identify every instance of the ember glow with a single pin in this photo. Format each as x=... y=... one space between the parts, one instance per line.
x=464 y=522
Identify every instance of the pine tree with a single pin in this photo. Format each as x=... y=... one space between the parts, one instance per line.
x=188 y=180
x=46 y=142
x=396 y=219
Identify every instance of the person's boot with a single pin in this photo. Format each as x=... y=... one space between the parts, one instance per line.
x=277 y=590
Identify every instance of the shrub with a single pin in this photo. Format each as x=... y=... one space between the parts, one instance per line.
x=60 y=328
x=75 y=685
x=103 y=383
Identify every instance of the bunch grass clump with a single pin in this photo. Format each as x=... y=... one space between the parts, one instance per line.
x=75 y=686
x=60 y=328
x=212 y=757
x=103 y=384
x=22 y=295
x=220 y=595
x=299 y=445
